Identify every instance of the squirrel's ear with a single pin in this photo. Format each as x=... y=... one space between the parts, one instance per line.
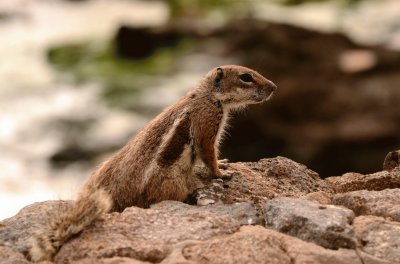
x=218 y=77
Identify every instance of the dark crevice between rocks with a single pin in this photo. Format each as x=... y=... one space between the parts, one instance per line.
x=283 y=248
x=156 y=256
x=358 y=253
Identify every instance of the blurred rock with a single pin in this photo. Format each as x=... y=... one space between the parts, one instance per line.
x=325 y=225
x=354 y=61
x=392 y=160
x=379 y=237
x=355 y=181
x=385 y=203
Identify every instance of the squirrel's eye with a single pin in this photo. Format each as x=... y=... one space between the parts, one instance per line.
x=246 y=77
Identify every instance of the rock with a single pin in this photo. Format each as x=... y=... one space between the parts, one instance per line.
x=303 y=228
x=319 y=197
x=379 y=237
x=255 y=244
x=326 y=225
x=16 y=231
x=375 y=182
x=144 y=234
x=244 y=213
x=211 y=192
x=257 y=181
x=392 y=160
x=385 y=203
x=11 y=256
x=369 y=259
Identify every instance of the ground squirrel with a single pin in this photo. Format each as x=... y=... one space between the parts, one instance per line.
x=157 y=164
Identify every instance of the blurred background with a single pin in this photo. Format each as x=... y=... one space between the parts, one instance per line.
x=79 y=78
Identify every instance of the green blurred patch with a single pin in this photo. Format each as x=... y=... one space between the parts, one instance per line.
x=121 y=78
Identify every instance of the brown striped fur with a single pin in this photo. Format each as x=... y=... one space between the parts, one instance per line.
x=157 y=163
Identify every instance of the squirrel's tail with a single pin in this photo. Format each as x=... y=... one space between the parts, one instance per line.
x=69 y=220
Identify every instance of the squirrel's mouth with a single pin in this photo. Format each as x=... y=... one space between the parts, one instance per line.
x=262 y=95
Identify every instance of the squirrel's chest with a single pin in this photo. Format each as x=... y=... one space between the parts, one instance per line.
x=181 y=144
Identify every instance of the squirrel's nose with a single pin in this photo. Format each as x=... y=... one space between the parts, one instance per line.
x=272 y=86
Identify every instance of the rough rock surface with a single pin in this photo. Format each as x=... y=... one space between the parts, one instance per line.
x=379 y=237
x=319 y=197
x=244 y=213
x=146 y=235
x=10 y=256
x=385 y=203
x=16 y=231
x=374 y=182
x=254 y=244
x=268 y=178
x=325 y=225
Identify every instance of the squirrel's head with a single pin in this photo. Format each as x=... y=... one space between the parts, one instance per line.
x=237 y=86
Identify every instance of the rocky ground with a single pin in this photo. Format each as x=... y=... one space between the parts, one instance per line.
x=76 y=88
x=271 y=211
